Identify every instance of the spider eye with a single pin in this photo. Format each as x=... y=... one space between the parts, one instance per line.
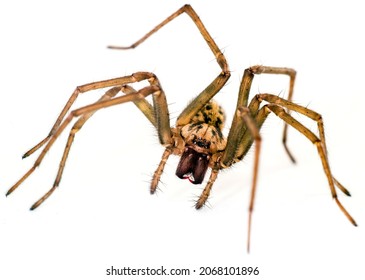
x=192 y=166
x=202 y=143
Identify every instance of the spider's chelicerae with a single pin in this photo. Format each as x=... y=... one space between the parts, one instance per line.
x=197 y=136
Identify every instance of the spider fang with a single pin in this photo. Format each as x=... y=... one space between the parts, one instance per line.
x=193 y=166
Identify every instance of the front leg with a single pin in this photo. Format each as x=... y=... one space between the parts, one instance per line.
x=85 y=113
x=243 y=96
x=215 y=86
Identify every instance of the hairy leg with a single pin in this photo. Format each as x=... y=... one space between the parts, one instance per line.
x=84 y=113
x=216 y=85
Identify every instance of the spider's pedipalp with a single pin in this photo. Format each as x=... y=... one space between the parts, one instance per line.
x=157 y=175
x=208 y=187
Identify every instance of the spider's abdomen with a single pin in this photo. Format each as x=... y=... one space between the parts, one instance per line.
x=211 y=114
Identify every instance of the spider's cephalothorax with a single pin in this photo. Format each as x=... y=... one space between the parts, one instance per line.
x=197 y=137
x=203 y=138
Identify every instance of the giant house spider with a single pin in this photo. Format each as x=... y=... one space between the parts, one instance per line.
x=197 y=135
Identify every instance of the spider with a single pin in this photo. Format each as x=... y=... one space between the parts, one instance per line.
x=197 y=135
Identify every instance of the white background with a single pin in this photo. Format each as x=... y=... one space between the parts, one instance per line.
x=103 y=215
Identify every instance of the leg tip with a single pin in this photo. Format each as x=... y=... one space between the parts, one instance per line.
x=199 y=205
x=34 y=206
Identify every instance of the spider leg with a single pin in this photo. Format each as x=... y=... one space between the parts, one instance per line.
x=244 y=132
x=87 y=111
x=243 y=139
x=292 y=74
x=157 y=114
x=246 y=141
x=142 y=104
x=247 y=123
x=306 y=112
x=136 y=77
x=275 y=105
x=216 y=85
x=75 y=128
x=253 y=128
x=243 y=95
x=148 y=110
x=78 y=125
